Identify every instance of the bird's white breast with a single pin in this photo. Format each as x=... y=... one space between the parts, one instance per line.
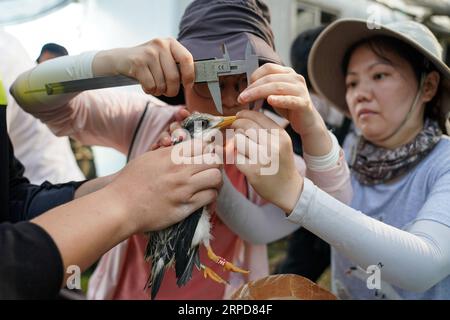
x=203 y=230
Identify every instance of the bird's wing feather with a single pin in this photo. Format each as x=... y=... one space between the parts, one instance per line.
x=184 y=251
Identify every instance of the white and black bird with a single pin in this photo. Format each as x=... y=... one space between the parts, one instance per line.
x=180 y=243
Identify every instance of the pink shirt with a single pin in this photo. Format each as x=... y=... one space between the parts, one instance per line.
x=110 y=117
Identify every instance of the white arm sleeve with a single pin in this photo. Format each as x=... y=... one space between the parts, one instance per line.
x=27 y=89
x=414 y=259
x=265 y=224
x=253 y=223
x=325 y=162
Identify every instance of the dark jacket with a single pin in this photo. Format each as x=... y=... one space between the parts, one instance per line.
x=30 y=263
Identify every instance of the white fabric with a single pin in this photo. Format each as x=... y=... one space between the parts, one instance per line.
x=255 y=224
x=244 y=217
x=414 y=259
x=56 y=70
x=45 y=156
x=325 y=162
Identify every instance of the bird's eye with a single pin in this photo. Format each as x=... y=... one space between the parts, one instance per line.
x=205 y=124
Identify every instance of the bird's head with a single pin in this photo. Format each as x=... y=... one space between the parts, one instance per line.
x=202 y=122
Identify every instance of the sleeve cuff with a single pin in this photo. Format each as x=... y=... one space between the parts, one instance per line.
x=84 y=64
x=301 y=208
x=325 y=162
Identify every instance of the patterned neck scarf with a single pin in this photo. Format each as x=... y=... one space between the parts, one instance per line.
x=376 y=165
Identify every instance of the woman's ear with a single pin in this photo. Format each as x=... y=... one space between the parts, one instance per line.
x=430 y=86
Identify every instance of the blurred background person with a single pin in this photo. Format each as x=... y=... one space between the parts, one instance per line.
x=83 y=154
x=50 y=51
x=45 y=156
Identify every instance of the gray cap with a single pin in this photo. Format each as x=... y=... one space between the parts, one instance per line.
x=208 y=24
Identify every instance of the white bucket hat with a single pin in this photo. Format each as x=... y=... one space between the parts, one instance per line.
x=328 y=52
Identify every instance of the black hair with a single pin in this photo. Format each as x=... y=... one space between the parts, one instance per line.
x=300 y=50
x=379 y=44
x=53 y=48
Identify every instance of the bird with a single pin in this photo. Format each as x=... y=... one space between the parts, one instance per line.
x=179 y=244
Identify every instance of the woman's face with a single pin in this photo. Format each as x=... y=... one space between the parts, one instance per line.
x=380 y=93
x=199 y=99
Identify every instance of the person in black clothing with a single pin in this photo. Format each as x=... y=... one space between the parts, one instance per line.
x=43 y=232
x=307 y=255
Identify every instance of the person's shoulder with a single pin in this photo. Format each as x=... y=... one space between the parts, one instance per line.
x=442 y=148
x=438 y=161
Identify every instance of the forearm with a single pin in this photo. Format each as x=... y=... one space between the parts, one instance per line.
x=28 y=89
x=105 y=117
x=94 y=185
x=317 y=142
x=366 y=241
x=330 y=171
x=103 y=63
x=253 y=223
x=86 y=228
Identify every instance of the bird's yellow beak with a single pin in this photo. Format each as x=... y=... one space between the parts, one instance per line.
x=226 y=121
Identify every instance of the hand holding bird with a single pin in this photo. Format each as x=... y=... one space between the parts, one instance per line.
x=179 y=244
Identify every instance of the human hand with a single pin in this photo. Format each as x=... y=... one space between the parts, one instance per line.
x=157 y=192
x=153 y=64
x=286 y=91
x=165 y=138
x=284 y=185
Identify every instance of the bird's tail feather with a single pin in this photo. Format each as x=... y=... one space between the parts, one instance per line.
x=156 y=277
x=184 y=249
x=194 y=259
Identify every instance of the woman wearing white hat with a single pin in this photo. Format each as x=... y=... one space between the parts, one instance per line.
x=394 y=240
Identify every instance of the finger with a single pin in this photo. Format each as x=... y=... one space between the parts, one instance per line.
x=273 y=78
x=245 y=146
x=201 y=199
x=145 y=78
x=256 y=153
x=185 y=60
x=164 y=139
x=243 y=164
x=182 y=114
x=154 y=146
x=158 y=75
x=267 y=89
x=259 y=118
x=211 y=136
x=174 y=126
x=203 y=162
x=268 y=68
x=206 y=179
x=245 y=124
x=288 y=102
x=171 y=74
x=192 y=147
x=179 y=135
x=250 y=129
